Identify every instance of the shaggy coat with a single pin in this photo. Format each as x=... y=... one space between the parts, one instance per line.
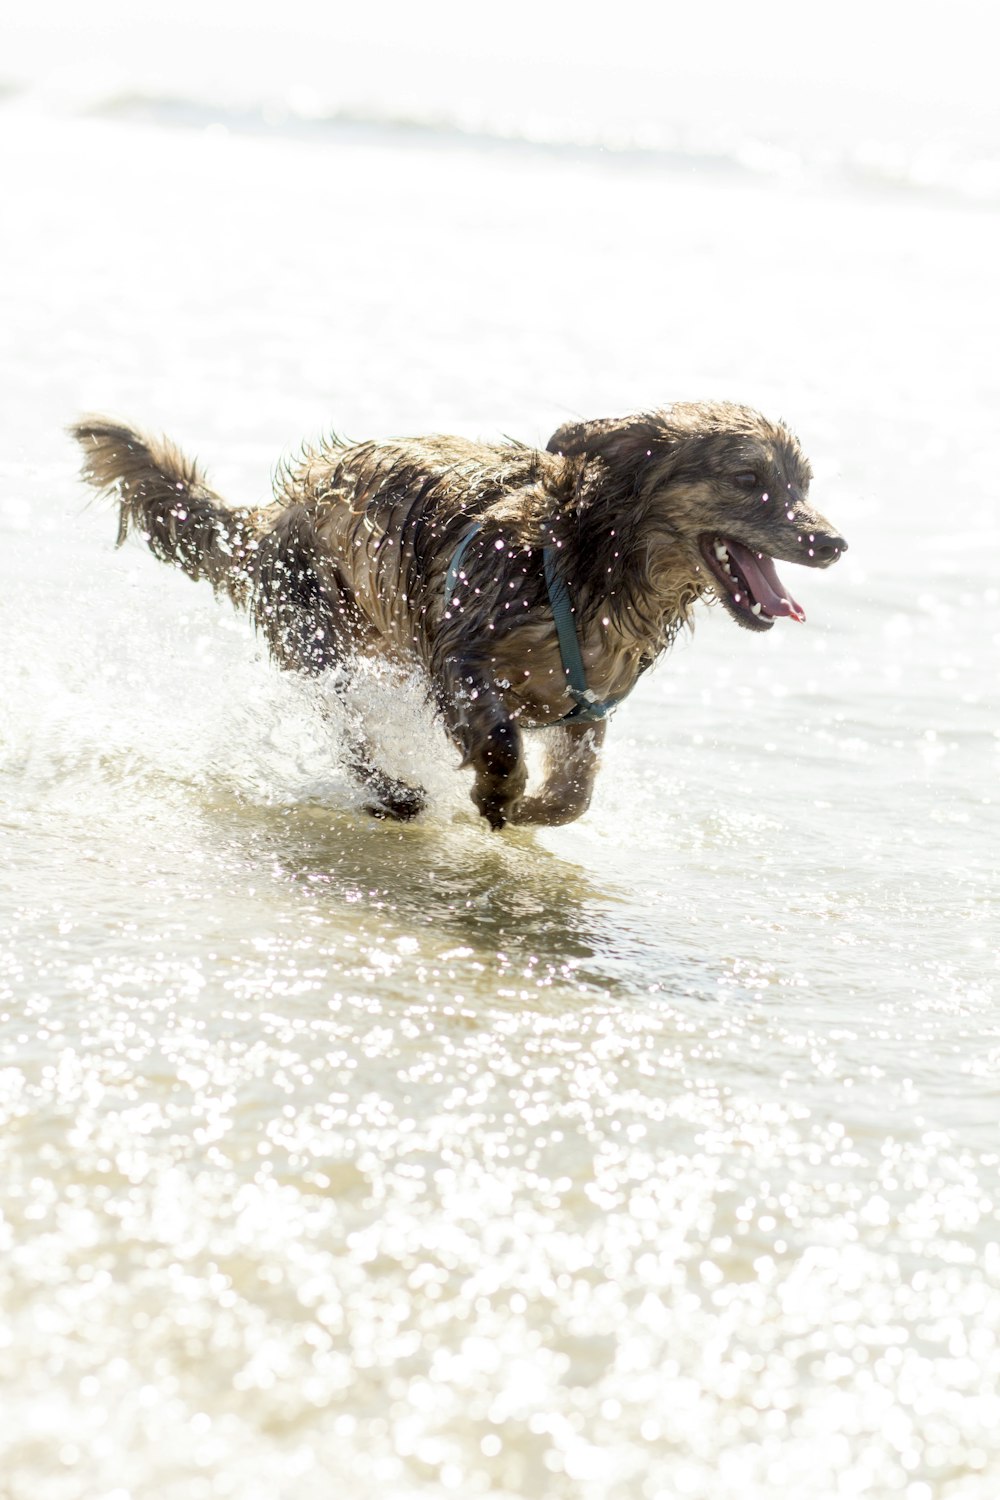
x=643 y=516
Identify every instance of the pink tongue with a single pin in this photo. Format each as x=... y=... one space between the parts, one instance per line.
x=765 y=585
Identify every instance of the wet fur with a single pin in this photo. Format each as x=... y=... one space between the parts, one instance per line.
x=352 y=557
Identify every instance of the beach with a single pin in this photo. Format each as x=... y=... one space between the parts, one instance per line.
x=654 y=1156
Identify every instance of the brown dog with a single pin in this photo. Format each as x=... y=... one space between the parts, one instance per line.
x=533 y=588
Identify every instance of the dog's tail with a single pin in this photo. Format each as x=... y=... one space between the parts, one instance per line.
x=164 y=495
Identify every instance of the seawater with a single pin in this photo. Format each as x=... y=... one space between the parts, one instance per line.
x=654 y=1156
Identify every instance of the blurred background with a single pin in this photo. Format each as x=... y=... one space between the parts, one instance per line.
x=477 y=163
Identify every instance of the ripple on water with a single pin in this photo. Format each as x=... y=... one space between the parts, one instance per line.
x=270 y=1228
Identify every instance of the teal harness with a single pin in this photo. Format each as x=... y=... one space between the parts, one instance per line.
x=589 y=709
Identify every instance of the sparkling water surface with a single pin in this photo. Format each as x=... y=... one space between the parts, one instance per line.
x=651 y=1157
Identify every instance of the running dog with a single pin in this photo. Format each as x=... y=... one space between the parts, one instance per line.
x=532 y=588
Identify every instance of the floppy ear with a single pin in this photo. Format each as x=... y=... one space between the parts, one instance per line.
x=621 y=441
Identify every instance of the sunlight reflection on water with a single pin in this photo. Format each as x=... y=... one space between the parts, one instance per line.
x=651 y=1157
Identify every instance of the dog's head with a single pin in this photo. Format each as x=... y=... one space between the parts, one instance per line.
x=718 y=491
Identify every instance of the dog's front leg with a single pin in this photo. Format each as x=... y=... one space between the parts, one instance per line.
x=489 y=739
x=572 y=756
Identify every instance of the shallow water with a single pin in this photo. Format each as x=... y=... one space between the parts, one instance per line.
x=655 y=1156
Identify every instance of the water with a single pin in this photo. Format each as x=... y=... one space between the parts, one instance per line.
x=654 y=1156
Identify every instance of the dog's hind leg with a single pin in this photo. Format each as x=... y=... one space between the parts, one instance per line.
x=389 y=797
x=572 y=756
x=312 y=624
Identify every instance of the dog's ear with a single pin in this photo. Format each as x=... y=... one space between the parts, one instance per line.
x=621 y=441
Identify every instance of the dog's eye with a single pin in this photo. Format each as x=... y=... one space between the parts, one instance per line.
x=746 y=479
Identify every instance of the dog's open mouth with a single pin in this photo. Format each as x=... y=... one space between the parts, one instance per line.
x=747 y=584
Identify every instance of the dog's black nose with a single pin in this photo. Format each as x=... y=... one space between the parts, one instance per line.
x=825 y=548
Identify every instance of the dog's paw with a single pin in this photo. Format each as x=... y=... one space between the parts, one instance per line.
x=500 y=773
x=493 y=801
x=494 y=812
x=399 y=805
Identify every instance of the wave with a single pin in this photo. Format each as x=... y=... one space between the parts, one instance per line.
x=967 y=173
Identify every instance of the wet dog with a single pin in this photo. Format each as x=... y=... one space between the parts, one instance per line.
x=533 y=588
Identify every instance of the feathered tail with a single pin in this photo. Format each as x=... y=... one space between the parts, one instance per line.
x=163 y=494
x=264 y=560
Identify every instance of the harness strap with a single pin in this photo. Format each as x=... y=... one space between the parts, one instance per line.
x=454 y=571
x=589 y=709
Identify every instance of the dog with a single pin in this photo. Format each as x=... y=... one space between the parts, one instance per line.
x=532 y=588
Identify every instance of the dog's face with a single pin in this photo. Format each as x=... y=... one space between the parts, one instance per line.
x=721 y=492
x=740 y=500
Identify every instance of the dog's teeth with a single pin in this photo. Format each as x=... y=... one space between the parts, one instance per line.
x=721 y=552
x=755 y=609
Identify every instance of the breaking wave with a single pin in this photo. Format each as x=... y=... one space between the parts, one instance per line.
x=962 y=170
